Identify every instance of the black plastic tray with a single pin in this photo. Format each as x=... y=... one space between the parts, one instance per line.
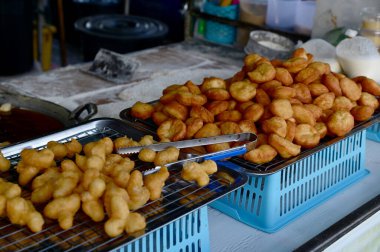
x=277 y=163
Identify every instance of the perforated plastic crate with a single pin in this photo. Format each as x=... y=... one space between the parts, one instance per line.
x=189 y=233
x=373 y=133
x=270 y=202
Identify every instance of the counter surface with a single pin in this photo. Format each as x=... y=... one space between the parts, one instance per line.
x=177 y=63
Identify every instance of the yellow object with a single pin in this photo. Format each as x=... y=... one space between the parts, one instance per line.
x=47 y=46
x=225 y=3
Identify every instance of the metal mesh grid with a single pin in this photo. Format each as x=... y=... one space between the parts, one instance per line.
x=179 y=198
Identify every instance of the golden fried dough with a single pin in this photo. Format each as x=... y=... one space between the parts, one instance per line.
x=202 y=113
x=262 y=154
x=321 y=128
x=262 y=97
x=216 y=107
x=142 y=110
x=217 y=147
x=325 y=101
x=307 y=75
x=350 y=89
x=342 y=103
x=194 y=89
x=193 y=124
x=285 y=148
x=250 y=61
x=368 y=85
x=303 y=115
x=208 y=130
x=296 y=64
x=242 y=91
x=262 y=73
x=332 y=83
x=340 y=123
x=281 y=108
x=155 y=182
x=267 y=86
x=362 y=113
x=306 y=136
x=5 y=164
x=199 y=172
x=315 y=110
x=247 y=126
x=190 y=99
x=275 y=125
x=290 y=129
x=212 y=82
x=282 y=92
x=283 y=76
x=172 y=129
x=229 y=128
x=147 y=155
x=176 y=110
x=367 y=99
x=321 y=67
x=253 y=112
x=159 y=117
x=217 y=94
x=302 y=93
x=317 y=89
x=229 y=115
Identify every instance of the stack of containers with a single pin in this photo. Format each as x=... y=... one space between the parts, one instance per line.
x=252 y=12
x=371 y=24
x=216 y=31
x=291 y=15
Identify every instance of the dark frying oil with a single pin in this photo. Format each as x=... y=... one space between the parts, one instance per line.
x=21 y=124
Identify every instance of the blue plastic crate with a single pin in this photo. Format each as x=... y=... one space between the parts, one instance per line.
x=270 y=202
x=216 y=31
x=373 y=132
x=188 y=233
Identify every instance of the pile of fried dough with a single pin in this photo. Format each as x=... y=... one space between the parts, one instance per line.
x=66 y=177
x=291 y=105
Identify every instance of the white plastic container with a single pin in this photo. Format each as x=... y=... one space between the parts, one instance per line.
x=359 y=56
x=253 y=11
x=281 y=14
x=304 y=19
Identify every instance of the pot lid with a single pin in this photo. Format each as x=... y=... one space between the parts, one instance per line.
x=123 y=27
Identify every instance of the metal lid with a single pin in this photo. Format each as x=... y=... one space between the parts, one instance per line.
x=121 y=27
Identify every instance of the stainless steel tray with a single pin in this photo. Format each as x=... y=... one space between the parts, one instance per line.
x=276 y=164
x=179 y=198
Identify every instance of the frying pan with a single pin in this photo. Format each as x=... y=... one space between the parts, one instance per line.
x=54 y=111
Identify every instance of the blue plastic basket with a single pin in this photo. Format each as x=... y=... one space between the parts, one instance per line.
x=270 y=202
x=188 y=233
x=373 y=132
x=218 y=32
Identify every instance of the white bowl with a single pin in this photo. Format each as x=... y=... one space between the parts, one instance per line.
x=269 y=44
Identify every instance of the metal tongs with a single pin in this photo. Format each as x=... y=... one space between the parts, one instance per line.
x=250 y=140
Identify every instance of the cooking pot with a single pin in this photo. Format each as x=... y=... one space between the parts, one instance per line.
x=119 y=33
x=31 y=117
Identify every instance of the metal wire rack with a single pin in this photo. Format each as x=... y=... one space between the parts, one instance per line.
x=179 y=198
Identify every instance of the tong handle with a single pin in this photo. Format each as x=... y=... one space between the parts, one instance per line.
x=220 y=155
